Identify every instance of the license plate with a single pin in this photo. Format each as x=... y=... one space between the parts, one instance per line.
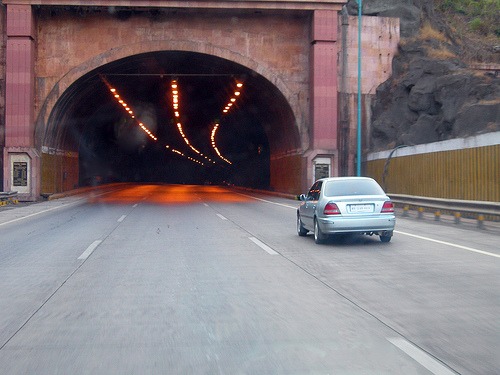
x=360 y=208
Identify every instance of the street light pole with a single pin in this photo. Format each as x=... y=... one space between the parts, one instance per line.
x=359 y=156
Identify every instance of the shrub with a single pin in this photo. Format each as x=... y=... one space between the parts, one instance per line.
x=482 y=15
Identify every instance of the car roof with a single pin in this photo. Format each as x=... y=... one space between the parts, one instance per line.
x=345 y=178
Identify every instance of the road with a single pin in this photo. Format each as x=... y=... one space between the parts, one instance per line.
x=206 y=280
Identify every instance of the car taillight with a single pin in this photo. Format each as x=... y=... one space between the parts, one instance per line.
x=331 y=209
x=388 y=207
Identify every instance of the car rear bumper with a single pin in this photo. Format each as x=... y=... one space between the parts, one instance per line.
x=340 y=224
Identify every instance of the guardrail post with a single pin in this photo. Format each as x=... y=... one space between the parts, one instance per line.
x=458 y=215
x=8 y=197
x=420 y=212
x=480 y=221
x=437 y=215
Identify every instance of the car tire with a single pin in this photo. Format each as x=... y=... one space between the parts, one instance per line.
x=385 y=238
x=300 y=228
x=319 y=237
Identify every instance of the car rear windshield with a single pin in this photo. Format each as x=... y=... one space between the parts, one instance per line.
x=352 y=187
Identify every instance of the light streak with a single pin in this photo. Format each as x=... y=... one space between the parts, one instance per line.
x=230 y=104
x=131 y=114
x=175 y=105
x=129 y=111
x=214 y=145
x=232 y=99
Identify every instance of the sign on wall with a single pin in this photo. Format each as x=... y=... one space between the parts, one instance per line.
x=322 y=168
x=20 y=173
x=20 y=166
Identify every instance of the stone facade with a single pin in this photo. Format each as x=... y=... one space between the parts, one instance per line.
x=274 y=46
x=64 y=53
x=297 y=53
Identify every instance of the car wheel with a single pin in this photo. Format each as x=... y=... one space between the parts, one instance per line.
x=300 y=228
x=319 y=237
x=385 y=238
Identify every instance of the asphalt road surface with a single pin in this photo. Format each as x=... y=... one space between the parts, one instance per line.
x=207 y=280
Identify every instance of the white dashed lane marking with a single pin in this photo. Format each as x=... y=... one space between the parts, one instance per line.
x=430 y=363
x=90 y=250
x=263 y=246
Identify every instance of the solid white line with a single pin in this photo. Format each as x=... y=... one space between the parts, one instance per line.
x=41 y=212
x=122 y=218
x=271 y=202
x=450 y=244
x=206 y=205
x=421 y=357
x=221 y=217
x=55 y=208
x=262 y=245
x=90 y=249
x=135 y=205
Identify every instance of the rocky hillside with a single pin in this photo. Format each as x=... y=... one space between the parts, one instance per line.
x=436 y=91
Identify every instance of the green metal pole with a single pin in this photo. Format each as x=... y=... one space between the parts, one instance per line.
x=358 y=152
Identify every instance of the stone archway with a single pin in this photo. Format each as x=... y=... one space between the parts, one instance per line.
x=294 y=49
x=297 y=103
x=270 y=110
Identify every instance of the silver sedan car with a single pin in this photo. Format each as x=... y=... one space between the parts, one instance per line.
x=346 y=205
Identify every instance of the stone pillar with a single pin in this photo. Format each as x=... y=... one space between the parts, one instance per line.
x=323 y=92
x=21 y=159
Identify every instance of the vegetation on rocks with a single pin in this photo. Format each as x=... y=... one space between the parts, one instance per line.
x=480 y=16
x=474 y=25
x=436 y=92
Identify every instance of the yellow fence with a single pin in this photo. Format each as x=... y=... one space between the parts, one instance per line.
x=59 y=172
x=470 y=174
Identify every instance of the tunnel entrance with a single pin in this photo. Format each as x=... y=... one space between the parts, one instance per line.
x=120 y=123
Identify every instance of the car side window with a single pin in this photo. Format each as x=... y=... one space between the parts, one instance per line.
x=310 y=194
x=315 y=191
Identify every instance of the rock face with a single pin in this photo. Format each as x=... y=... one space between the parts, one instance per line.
x=428 y=100
x=431 y=95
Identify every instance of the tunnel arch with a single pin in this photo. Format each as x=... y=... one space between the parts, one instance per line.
x=295 y=102
x=275 y=107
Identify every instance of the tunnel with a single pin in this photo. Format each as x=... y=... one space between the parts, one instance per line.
x=121 y=123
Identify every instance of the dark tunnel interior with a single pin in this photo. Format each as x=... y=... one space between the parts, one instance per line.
x=112 y=146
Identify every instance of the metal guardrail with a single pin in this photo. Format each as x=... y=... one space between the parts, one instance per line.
x=8 y=197
x=480 y=210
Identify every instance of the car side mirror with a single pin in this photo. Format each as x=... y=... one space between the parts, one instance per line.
x=302 y=197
